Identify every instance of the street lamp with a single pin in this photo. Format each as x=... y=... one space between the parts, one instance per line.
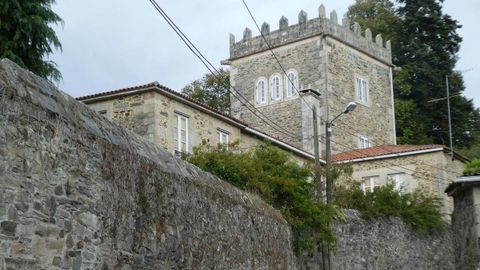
x=328 y=132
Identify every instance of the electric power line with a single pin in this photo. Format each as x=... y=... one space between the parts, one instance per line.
x=200 y=56
x=292 y=83
x=217 y=75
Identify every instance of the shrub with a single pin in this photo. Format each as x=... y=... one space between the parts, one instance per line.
x=420 y=211
x=472 y=167
x=268 y=172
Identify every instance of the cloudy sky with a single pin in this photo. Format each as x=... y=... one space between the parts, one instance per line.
x=114 y=44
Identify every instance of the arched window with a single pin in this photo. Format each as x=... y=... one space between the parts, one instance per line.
x=276 y=88
x=292 y=83
x=261 y=92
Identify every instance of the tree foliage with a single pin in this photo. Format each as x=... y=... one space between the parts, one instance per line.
x=425 y=44
x=412 y=129
x=268 y=172
x=211 y=90
x=26 y=36
x=472 y=168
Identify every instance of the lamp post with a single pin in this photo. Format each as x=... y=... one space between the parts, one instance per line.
x=328 y=134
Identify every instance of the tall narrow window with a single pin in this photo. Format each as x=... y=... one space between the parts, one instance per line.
x=223 y=137
x=261 y=92
x=370 y=183
x=361 y=86
x=364 y=142
x=181 y=137
x=276 y=88
x=397 y=179
x=291 y=83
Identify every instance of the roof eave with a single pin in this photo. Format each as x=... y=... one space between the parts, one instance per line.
x=201 y=108
x=390 y=155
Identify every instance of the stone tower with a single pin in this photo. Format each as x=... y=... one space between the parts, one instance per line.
x=325 y=64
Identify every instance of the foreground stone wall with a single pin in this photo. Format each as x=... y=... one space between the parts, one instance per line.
x=465 y=224
x=79 y=192
x=385 y=243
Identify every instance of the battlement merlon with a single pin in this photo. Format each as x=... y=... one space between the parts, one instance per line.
x=305 y=29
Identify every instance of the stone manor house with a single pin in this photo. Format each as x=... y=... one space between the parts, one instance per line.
x=323 y=64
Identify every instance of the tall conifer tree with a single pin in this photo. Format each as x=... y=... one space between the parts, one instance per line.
x=26 y=35
x=425 y=44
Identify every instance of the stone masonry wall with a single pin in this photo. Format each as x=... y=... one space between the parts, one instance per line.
x=328 y=57
x=152 y=115
x=464 y=224
x=287 y=113
x=305 y=28
x=384 y=243
x=79 y=192
x=134 y=112
x=373 y=119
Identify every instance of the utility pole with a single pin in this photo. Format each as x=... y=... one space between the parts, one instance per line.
x=317 y=154
x=328 y=159
x=449 y=117
x=318 y=176
x=328 y=178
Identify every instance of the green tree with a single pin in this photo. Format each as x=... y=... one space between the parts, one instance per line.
x=268 y=172
x=409 y=127
x=473 y=151
x=425 y=44
x=211 y=90
x=26 y=36
x=378 y=15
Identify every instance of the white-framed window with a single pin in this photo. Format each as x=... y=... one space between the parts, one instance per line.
x=369 y=183
x=261 y=91
x=181 y=133
x=291 y=82
x=361 y=86
x=223 y=136
x=276 y=87
x=398 y=179
x=364 y=142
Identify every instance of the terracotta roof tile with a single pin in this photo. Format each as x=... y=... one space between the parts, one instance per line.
x=382 y=150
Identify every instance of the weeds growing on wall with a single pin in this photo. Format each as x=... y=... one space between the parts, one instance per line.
x=420 y=211
x=287 y=186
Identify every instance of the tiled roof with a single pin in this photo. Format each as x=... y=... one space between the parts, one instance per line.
x=382 y=150
x=121 y=90
x=157 y=86
x=161 y=87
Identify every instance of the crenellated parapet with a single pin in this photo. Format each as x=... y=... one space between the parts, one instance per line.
x=352 y=36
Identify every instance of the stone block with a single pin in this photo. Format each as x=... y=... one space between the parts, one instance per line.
x=8 y=227
x=57 y=261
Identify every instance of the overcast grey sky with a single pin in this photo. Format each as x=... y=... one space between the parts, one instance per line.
x=114 y=44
